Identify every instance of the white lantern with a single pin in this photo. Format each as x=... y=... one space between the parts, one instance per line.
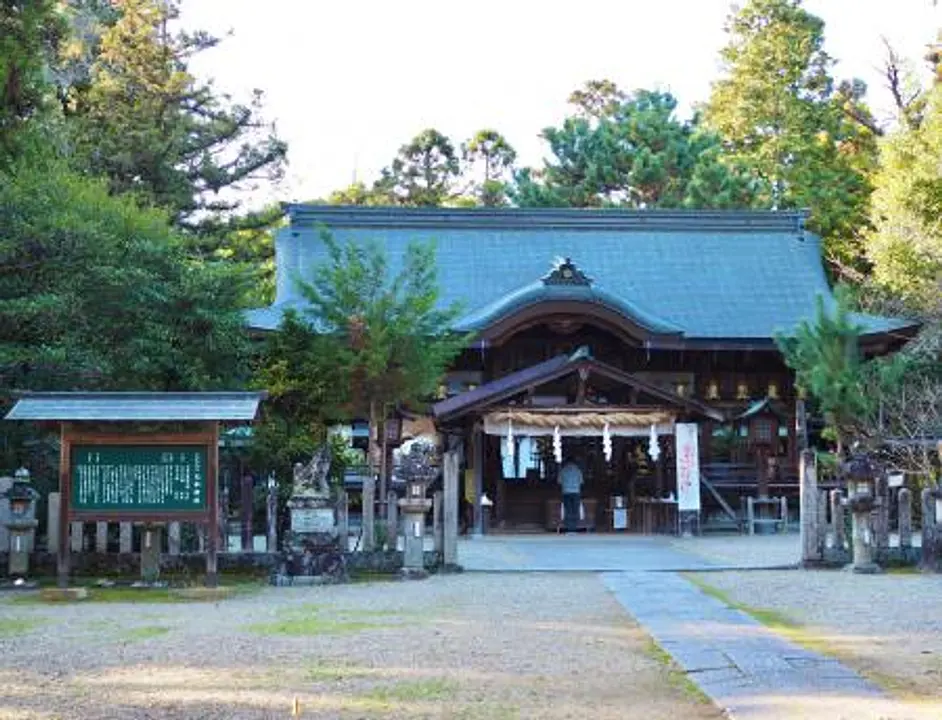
x=557 y=445
x=654 y=448
x=606 y=443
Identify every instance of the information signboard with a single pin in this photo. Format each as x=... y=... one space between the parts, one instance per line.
x=145 y=478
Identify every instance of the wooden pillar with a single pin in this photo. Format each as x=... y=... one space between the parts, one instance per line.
x=811 y=552
x=247 y=503
x=213 y=514
x=450 y=508
x=65 y=481
x=478 y=468
x=659 y=470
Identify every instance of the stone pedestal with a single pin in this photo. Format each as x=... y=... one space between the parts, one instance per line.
x=151 y=539
x=413 y=529
x=19 y=533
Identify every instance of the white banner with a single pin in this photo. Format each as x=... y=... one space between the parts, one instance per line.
x=688 y=466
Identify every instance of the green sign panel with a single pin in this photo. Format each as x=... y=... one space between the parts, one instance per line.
x=139 y=478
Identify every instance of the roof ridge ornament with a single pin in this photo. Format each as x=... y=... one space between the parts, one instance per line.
x=565 y=272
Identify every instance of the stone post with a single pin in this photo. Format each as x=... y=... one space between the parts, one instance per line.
x=125 y=538
x=905 y=518
x=822 y=520
x=151 y=537
x=101 y=537
x=5 y=484
x=837 y=519
x=784 y=509
x=173 y=538
x=881 y=514
x=751 y=515
x=369 y=490
x=437 y=525
x=392 y=521
x=53 y=504
x=271 y=514
x=77 y=536
x=450 y=509
x=343 y=521
x=931 y=537
x=811 y=552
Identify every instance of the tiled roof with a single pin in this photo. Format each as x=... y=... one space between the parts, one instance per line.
x=703 y=274
x=138 y=406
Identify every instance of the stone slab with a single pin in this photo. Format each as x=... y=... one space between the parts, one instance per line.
x=748 y=670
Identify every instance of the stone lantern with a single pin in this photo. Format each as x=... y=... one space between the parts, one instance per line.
x=860 y=475
x=20 y=522
x=419 y=467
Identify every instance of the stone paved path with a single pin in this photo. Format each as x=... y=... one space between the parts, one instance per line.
x=746 y=668
x=600 y=553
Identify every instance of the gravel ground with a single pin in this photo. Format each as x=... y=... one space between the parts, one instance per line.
x=463 y=646
x=885 y=626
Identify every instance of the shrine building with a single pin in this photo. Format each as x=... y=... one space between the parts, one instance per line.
x=597 y=337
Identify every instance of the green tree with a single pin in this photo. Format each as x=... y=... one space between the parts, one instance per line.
x=825 y=355
x=96 y=292
x=389 y=341
x=905 y=245
x=424 y=172
x=30 y=34
x=777 y=110
x=142 y=120
x=631 y=151
x=489 y=156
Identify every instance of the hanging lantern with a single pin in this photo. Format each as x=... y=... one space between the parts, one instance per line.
x=557 y=445
x=606 y=443
x=654 y=448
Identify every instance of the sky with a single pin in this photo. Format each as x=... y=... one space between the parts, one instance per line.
x=348 y=82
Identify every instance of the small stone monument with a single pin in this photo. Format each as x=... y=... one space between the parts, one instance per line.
x=861 y=474
x=418 y=468
x=312 y=550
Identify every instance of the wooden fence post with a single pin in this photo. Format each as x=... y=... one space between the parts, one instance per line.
x=271 y=515
x=811 y=551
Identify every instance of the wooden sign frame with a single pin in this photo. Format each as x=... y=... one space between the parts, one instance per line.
x=204 y=434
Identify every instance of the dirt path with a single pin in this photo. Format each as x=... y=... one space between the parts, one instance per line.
x=470 y=646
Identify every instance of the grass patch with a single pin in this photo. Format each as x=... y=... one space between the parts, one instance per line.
x=773 y=619
x=306 y=620
x=16 y=626
x=322 y=672
x=157 y=596
x=368 y=576
x=430 y=690
x=145 y=632
x=677 y=678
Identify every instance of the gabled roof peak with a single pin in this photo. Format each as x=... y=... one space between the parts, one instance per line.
x=565 y=272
